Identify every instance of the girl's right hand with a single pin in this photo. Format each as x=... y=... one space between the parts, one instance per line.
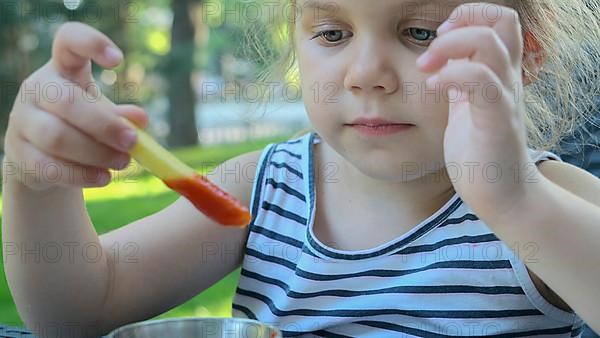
x=61 y=130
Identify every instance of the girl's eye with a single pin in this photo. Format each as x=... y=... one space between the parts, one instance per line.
x=421 y=34
x=332 y=35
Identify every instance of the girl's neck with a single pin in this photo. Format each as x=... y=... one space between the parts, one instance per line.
x=429 y=193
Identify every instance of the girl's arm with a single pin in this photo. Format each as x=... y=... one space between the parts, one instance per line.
x=562 y=216
x=132 y=273
x=180 y=252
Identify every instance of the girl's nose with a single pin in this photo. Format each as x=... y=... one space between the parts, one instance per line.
x=370 y=70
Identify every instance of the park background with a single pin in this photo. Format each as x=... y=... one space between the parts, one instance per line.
x=186 y=65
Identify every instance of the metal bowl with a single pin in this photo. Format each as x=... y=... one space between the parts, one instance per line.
x=210 y=327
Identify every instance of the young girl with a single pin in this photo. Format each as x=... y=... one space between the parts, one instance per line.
x=414 y=208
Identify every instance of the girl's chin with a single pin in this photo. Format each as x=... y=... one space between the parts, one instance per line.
x=386 y=169
x=396 y=164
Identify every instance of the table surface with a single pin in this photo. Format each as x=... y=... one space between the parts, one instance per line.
x=15 y=332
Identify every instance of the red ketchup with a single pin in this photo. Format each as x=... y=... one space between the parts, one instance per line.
x=211 y=200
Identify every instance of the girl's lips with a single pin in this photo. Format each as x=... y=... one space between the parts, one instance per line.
x=380 y=129
x=375 y=121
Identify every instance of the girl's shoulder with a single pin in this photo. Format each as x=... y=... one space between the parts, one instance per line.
x=296 y=148
x=570 y=177
x=286 y=160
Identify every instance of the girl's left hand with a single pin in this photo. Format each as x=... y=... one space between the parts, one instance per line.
x=478 y=62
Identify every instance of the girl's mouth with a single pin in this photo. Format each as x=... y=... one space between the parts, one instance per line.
x=380 y=129
x=378 y=126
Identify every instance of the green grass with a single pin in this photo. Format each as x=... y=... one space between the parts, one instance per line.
x=124 y=201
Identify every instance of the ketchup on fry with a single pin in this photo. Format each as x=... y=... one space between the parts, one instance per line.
x=211 y=200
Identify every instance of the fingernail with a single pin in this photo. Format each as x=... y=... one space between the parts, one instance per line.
x=424 y=59
x=103 y=179
x=443 y=28
x=432 y=80
x=113 y=54
x=127 y=139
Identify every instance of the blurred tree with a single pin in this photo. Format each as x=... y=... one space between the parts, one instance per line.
x=24 y=46
x=179 y=68
x=158 y=38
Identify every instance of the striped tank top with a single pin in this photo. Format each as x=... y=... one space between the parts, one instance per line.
x=448 y=276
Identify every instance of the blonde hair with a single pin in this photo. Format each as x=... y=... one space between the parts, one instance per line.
x=560 y=101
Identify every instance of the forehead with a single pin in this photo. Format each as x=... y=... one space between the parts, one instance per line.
x=395 y=5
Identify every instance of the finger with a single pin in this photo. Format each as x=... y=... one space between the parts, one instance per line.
x=75 y=44
x=51 y=170
x=479 y=44
x=476 y=84
x=504 y=20
x=56 y=137
x=134 y=114
x=95 y=116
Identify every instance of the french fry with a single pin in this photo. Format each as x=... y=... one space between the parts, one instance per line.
x=207 y=197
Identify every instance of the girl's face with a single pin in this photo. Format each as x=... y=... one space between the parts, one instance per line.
x=357 y=59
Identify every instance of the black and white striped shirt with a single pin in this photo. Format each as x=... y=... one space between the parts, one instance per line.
x=448 y=276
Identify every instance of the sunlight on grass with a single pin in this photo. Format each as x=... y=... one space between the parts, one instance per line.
x=123 y=188
x=125 y=185
x=134 y=181
x=120 y=190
